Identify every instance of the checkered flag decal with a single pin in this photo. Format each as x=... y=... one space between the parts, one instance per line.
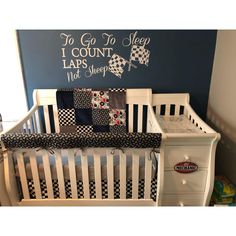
x=116 y=65
x=139 y=53
x=145 y=57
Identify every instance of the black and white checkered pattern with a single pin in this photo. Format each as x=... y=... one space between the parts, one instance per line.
x=116 y=65
x=84 y=129
x=80 y=189
x=129 y=188
x=31 y=188
x=56 y=191
x=154 y=189
x=43 y=187
x=117 y=90
x=141 y=189
x=145 y=57
x=92 y=189
x=66 y=117
x=117 y=189
x=139 y=53
x=68 y=189
x=104 y=189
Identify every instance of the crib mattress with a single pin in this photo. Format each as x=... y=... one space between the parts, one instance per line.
x=177 y=124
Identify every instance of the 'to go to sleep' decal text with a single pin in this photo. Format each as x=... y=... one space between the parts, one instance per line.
x=80 y=55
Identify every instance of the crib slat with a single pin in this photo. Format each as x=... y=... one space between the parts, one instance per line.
x=34 y=123
x=38 y=121
x=22 y=130
x=46 y=119
x=148 y=176
x=35 y=174
x=56 y=120
x=110 y=175
x=85 y=175
x=186 y=112
x=26 y=127
x=167 y=112
x=47 y=173
x=158 y=110
x=177 y=110
x=23 y=178
x=97 y=173
x=72 y=173
x=60 y=175
x=31 y=125
x=122 y=175
x=140 y=118
x=135 y=175
x=131 y=115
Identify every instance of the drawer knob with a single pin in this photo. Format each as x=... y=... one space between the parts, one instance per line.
x=184 y=182
x=186 y=158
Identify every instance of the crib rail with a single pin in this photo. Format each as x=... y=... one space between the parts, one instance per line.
x=176 y=105
x=43 y=116
x=138 y=101
x=99 y=174
x=29 y=124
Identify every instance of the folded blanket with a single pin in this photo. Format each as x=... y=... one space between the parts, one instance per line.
x=91 y=110
x=75 y=140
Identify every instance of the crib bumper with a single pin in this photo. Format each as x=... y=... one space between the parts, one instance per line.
x=71 y=140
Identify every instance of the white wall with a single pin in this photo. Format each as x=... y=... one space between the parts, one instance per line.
x=222 y=101
x=12 y=95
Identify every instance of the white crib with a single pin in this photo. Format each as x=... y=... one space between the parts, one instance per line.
x=106 y=176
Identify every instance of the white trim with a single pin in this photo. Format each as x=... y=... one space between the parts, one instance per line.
x=85 y=202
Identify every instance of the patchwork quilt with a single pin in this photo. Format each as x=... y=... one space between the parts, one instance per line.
x=83 y=110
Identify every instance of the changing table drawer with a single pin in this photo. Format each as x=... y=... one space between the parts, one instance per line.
x=182 y=200
x=196 y=154
x=175 y=182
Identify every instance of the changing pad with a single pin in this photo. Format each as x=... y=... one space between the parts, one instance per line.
x=177 y=124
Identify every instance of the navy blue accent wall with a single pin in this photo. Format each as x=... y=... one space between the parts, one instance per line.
x=180 y=62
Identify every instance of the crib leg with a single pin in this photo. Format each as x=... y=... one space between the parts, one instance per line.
x=10 y=179
x=4 y=199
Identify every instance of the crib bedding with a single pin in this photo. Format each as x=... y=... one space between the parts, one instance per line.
x=75 y=140
x=79 y=172
x=86 y=110
x=104 y=183
x=92 y=189
x=177 y=124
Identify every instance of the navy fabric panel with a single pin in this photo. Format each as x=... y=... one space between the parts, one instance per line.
x=83 y=116
x=101 y=128
x=65 y=99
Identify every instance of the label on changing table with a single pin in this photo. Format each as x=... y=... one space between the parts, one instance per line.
x=186 y=167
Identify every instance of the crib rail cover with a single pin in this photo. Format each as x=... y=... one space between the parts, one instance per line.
x=75 y=140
